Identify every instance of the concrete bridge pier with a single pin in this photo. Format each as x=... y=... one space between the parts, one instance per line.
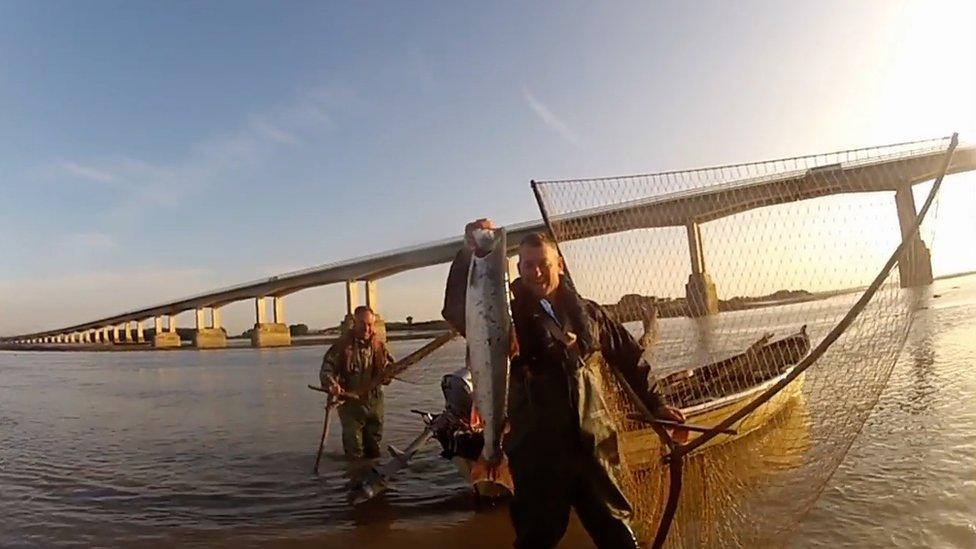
x=915 y=265
x=352 y=301
x=373 y=302
x=212 y=336
x=700 y=291
x=140 y=331
x=274 y=333
x=352 y=296
x=167 y=339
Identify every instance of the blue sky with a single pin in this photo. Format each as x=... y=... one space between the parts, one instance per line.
x=153 y=150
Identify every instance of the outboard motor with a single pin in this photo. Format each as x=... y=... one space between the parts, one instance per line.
x=456 y=437
x=457 y=388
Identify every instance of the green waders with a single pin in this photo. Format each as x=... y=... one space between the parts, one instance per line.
x=362 y=426
x=563 y=455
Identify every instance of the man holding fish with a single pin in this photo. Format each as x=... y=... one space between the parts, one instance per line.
x=560 y=442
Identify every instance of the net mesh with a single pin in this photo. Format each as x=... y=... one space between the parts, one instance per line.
x=729 y=276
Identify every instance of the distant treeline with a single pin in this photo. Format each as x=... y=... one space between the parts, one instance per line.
x=297 y=330
x=631 y=306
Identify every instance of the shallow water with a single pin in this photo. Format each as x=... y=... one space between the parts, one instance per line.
x=215 y=448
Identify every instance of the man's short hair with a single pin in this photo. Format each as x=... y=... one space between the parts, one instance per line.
x=538 y=240
x=363 y=309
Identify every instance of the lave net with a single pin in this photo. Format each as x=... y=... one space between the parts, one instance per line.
x=736 y=278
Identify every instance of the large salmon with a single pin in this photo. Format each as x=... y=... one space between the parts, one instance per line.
x=487 y=327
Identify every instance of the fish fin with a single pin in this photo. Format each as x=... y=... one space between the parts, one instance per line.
x=483 y=472
x=395 y=452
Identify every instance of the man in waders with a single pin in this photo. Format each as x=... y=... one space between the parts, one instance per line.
x=354 y=362
x=562 y=454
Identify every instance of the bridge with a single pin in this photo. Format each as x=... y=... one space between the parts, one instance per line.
x=895 y=173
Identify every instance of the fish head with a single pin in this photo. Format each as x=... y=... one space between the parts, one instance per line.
x=365 y=491
x=486 y=240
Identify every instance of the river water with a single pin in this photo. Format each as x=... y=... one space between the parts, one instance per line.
x=215 y=448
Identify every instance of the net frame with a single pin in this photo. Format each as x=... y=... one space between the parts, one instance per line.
x=676 y=453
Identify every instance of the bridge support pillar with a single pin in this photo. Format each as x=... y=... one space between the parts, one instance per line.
x=915 y=265
x=352 y=296
x=140 y=332
x=373 y=302
x=700 y=293
x=212 y=337
x=270 y=334
x=167 y=339
x=372 y=296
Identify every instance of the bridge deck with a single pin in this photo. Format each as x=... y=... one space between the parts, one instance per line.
x=664 y=211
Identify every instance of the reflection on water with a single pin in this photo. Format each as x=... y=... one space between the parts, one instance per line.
x=216 y=448
x=925 y=380
x=722 y=481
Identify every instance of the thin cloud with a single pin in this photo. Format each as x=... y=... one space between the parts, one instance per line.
x=89 y=173
x=550 y=119
x=273 y=132
x=211 y=160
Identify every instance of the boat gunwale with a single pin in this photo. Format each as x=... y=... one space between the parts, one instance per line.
x=729 y=400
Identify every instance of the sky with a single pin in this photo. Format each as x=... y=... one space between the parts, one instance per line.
x=150 y=151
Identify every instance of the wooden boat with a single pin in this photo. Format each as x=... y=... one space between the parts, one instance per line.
x=709 y=394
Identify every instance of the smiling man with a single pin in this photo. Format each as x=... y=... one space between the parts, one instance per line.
x=562 y=449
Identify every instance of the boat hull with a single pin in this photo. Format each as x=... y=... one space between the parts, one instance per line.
x=641 y=448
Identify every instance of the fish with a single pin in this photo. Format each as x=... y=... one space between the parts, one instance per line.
x=377 y=479
x=488 y=327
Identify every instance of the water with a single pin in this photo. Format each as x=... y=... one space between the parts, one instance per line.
x=215 y=448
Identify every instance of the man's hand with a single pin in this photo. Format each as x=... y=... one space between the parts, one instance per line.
x=672 y=414
x=668 y=412
x=470 y=228
x=334 y=388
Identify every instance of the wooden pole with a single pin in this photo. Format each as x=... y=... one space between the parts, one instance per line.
x=329 y=405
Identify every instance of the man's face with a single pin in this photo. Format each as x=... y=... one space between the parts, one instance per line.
x=363 y=326
x=540 y=268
